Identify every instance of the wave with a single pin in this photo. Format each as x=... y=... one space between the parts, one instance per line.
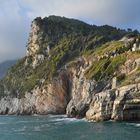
x=23 y=129
x=65 y=119
x=57 y=116
x=138 y=125
x=37 y=128
x=134 y=124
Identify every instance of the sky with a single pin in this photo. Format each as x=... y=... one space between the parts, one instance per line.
x=16 y=17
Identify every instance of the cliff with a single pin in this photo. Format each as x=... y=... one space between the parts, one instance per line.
x=121 y=104
x=75 y=68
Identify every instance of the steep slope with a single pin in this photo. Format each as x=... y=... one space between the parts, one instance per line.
x=111 y=66
x=52 y=43
x=67 y=63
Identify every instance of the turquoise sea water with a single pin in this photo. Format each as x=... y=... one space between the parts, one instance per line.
x=62 y=128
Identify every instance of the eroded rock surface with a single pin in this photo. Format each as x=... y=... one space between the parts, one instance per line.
x=120 y=104
x=52 y=99
x=75 y=68
x=81 y=97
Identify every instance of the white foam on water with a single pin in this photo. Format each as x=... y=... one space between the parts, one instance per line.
x=35 y=115
x=27 y=122
x=138 y=125
x=44 y=125
x=24 y=122
x=20 y=129
x=57 y=116
x=67 y=120
x=37 y=128
x=134 y=124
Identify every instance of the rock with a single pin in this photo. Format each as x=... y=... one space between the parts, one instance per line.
x=101 y=106
x=82 y=90
x=60 y=75
x=114 y=82
x=78 y=109
x=50 y=100
x=37 y=60
x=130 y=65
x=54 y=98
x=119 y=104
x=8 y=105
x=34 y=37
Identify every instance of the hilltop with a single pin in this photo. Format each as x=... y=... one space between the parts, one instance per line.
x=53 y=43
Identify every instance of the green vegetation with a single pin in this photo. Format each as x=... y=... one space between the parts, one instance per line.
x=97 y=69
x=132 y=78
x=109 y=47
x=115 y=63
x=68 y=39
x=105 y=67
x=22 y=78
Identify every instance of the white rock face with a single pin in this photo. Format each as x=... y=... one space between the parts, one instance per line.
x=52 y=99
x=81 y=94
x=71 y=93
x=34 y=37
x=37 y=60
x=120 y=104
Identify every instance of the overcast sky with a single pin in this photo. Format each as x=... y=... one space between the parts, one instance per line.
x=16 y=16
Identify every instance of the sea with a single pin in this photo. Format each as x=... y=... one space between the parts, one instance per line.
x=59 y=127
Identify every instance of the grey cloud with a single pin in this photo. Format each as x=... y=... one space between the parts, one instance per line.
x=16 y=16
x=14 y=27
x=123 y=13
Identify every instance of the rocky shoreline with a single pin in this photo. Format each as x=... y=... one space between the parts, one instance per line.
x=69 y=70
x=121 y=104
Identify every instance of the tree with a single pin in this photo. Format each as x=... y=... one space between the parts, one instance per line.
x=129 y=30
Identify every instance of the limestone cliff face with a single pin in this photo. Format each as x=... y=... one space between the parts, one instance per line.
x=35 y=37
x=52 y=99
x=81 y=94
x=121 y=104
x=69 y=68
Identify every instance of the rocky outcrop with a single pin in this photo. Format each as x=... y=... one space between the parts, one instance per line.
x=35 y=37
x=120 y=104
x=25 y=106
x=75 y=68
x=81 y=97
x=81 y=91
x=52 y=99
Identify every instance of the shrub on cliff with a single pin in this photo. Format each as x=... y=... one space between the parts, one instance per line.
x=68 y=39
